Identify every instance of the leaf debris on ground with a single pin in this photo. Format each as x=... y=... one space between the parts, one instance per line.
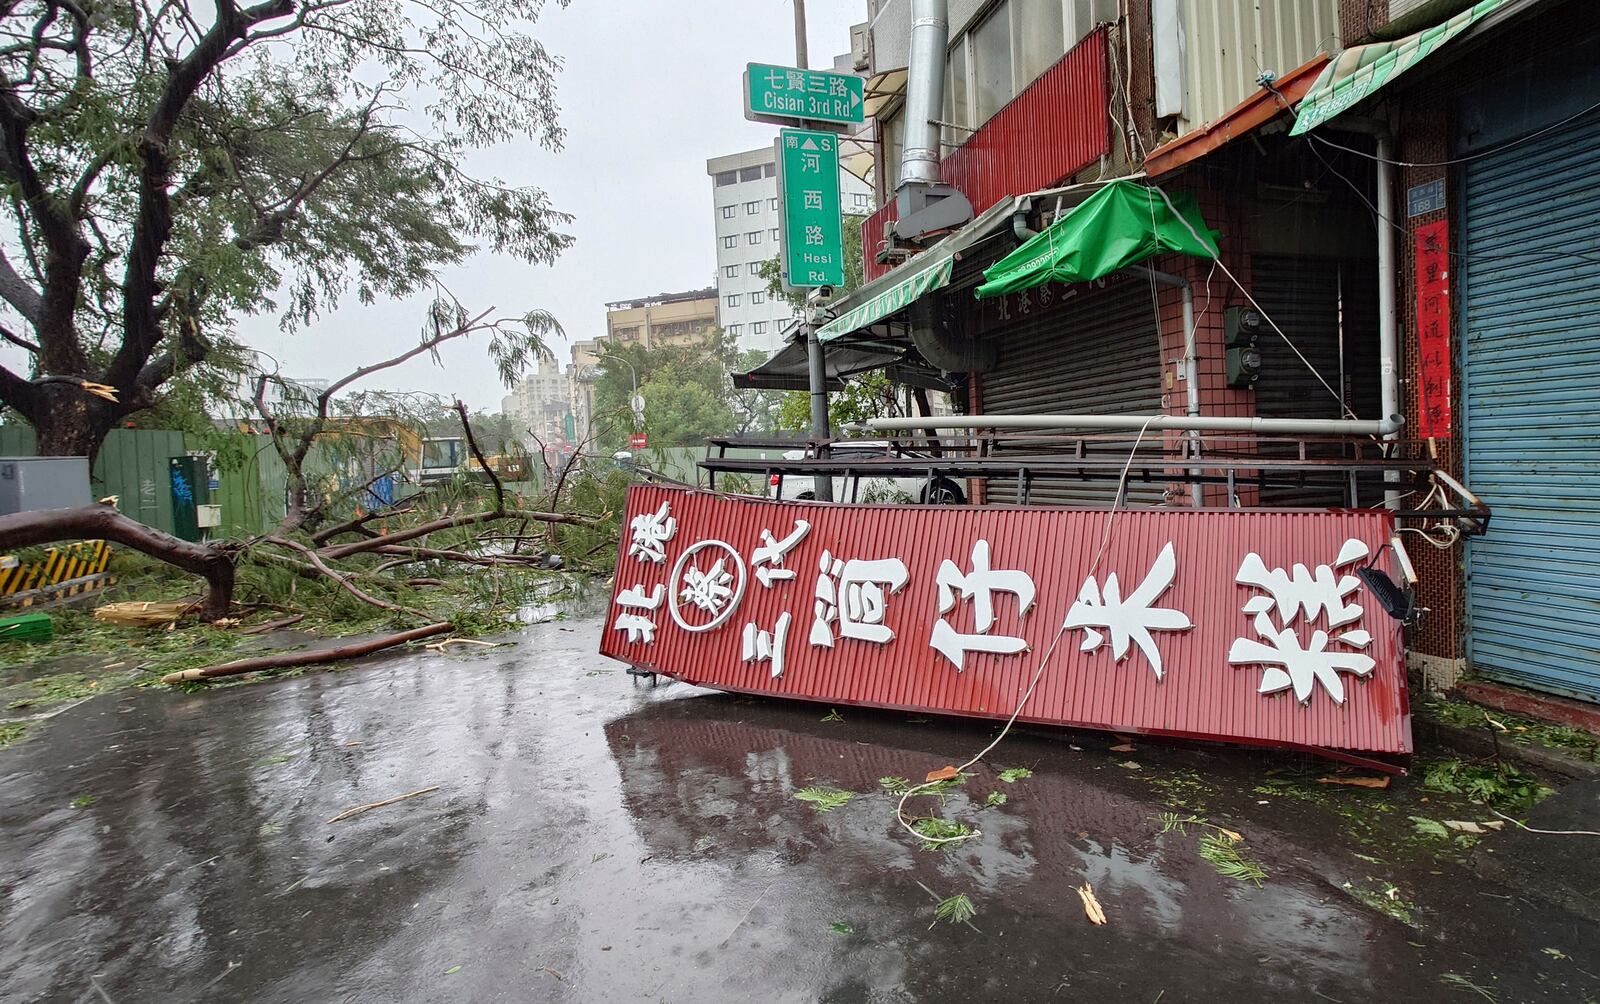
x=824 y=799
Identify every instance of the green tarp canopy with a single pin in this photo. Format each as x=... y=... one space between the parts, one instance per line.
x=1122 y=224
x=1362 y=69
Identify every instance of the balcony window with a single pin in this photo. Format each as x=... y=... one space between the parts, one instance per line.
x=991 y=63
x=1038 y=37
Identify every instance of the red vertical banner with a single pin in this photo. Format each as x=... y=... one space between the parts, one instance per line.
x=1433 y=330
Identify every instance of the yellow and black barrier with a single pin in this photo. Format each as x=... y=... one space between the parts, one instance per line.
x=69 y=570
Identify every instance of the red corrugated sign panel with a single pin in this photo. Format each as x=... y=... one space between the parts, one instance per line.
x=1241 y=625
x=1055 y=128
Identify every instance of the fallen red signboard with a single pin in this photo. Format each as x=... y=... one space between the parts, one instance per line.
x=1239 y=625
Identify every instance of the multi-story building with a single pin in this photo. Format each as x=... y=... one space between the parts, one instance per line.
x=744 y=189
x=678 y=319
x=580 y=383
x=539 y=403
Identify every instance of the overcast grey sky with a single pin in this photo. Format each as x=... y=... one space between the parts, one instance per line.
x=651 y=89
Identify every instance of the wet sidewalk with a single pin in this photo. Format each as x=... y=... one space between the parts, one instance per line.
x=595 y=838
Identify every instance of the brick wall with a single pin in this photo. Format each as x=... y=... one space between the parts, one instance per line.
x=1214 y=291
x=1358 y=19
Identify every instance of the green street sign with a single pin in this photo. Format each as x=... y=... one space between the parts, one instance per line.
x=808 y=197
x=783 y=94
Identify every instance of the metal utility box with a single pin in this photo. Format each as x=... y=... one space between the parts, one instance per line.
x=191 y=491
x=29 y=483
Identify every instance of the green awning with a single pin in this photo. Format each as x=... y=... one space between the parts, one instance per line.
x=1122 y=224
x=1362 y=69
x=934 y=275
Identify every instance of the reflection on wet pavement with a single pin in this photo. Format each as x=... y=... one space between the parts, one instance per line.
x=598 y=838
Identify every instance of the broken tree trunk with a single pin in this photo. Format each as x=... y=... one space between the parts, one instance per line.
x=102 y=522
x=313 y=658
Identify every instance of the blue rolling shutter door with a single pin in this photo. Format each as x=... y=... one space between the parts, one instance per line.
x=1532 y=410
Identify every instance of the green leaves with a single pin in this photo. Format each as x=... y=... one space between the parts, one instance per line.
x=958 y=909
x=895 y=785
x=1015 y=774
x=1429 y=827
x=941 y=834
x=824 y=799
x=1223 y=853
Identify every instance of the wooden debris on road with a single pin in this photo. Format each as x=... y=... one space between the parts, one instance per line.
x=359 y=809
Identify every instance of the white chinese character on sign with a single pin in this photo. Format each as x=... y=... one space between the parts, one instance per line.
x=979 y=586
x=813 y=234
x=813 y=199
x=791 y=141
x=1024 y=302
x=767 y=562
x=708 y=589
x=768 y=558
x=1005 y=307
x=1131 y=619
x=796 y=80
x=818 y=85
x=714 y=589
x=651 y=531
x=762 y=646
x=810 y=162
x=837 y=87
x=1046 y=294
x=852 y=593
x=1302 y=594
x=639 y=627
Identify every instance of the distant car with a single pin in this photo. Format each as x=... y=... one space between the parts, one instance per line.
x=937 y=490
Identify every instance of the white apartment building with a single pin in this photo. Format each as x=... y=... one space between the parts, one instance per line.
x=744 y=191
x=539 y=403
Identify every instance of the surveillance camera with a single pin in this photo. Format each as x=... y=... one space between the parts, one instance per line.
x=822 y=294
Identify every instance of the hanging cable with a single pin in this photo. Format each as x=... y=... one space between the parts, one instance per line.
x=1038 y=673
x=1345 y=408
x=1477 y=155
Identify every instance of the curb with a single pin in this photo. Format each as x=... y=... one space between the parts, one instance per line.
x=1480 y=743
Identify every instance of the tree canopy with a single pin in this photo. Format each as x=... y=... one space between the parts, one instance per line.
x=172 y=164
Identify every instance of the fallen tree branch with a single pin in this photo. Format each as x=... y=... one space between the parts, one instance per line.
x=211 y=562
x=342 y=578
x=274 y=625
x=416 y=553
x=467 y=519
x=472 y=444
x=314 y=658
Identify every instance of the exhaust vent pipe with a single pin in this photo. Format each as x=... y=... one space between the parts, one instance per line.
x=925 y=203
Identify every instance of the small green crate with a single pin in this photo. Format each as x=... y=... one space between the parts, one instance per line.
x=27 y=627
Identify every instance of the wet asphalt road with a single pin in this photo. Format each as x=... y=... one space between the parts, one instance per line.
x=594 y=838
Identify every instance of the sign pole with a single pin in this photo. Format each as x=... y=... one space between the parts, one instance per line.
x=822 y=485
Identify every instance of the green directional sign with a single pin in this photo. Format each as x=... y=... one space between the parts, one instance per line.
x=785 y=94
x=808 y=190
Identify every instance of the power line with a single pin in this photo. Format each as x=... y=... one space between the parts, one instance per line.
x=1487 y=152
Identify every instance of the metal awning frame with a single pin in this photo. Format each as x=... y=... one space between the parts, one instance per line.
x=1363 y=471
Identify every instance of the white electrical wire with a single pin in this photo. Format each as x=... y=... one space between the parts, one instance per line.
x=1241 y=288
x=1038 y=673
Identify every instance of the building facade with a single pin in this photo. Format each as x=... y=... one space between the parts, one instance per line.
x=744 y=191
x=678 y=319
x=539 y=404
x=1411 y=224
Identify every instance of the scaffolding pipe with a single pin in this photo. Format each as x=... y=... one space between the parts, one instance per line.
x=1195 y=423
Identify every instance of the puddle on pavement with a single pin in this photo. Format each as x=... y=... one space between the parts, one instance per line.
x=594 y=837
